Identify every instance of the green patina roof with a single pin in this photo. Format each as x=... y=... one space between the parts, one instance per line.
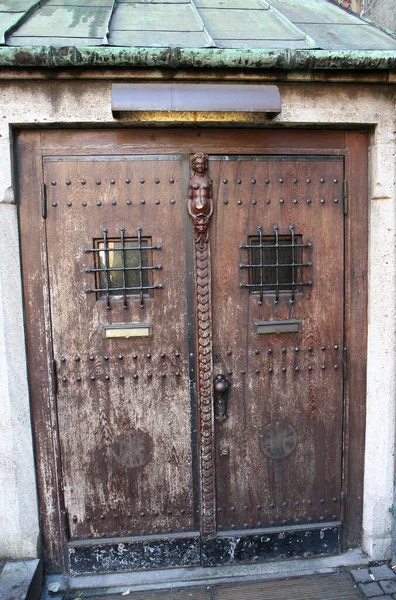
x=204 y=28
x=302 y=24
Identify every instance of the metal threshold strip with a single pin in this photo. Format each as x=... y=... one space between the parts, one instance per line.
x=326 y=587
x=176 y=578
x=85 y=56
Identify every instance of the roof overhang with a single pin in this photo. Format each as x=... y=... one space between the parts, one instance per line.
x=105 y=57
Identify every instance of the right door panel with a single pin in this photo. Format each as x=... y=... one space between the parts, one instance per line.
x=278 y=318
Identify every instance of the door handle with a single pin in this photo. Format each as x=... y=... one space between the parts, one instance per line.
x=221 y=389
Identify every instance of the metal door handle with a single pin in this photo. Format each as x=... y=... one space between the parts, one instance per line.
x=221 y=389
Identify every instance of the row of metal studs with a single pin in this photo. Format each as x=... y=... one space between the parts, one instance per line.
x=172 y=180
x=112 y=181
x=135 y=376
x=282 y=201
x=274 y=523
x=280 y=180
x=121 y=356
x=113 y=202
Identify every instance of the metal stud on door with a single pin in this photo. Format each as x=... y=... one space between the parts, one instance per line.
x=124 y=422
x=155 y=449
x=277 y=335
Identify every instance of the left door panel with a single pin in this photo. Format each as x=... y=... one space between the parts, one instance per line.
x=116 y=272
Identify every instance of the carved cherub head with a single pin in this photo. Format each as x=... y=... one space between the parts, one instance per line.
x=199 y=163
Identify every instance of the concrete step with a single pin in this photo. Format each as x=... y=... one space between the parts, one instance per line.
x=126 y=583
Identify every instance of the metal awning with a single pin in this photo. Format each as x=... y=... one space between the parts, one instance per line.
x=174 y=97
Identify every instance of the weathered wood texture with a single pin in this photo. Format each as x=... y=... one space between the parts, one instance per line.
x=86 y=432
x=291 y=378
x=39 y=349
x=356 y=281
x=123 y=410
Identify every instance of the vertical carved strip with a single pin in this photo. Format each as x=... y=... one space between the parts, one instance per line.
x=200 y=208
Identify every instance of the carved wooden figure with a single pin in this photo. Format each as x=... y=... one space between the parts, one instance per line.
x=200 y=197
x=200 y=207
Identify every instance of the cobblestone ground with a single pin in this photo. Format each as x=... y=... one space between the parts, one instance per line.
x=376 y=583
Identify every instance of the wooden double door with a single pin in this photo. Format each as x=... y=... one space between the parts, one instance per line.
x=185 y=307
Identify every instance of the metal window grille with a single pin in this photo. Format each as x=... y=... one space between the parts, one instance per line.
x=121 y=266
x=276 y=263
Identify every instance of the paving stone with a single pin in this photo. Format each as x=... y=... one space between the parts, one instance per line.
x=382 y=572
x=21 y=580
x=382 y=597
x=370 y=589
x=361 y=575
x=389 y=586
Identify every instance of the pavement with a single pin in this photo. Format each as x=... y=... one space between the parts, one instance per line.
x=21 y=580
x=320 y=579
x=376 y=582
x=334 y=586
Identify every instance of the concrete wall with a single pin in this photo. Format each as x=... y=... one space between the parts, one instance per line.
x=60 y=102
x=18 y=510
x=382 y=12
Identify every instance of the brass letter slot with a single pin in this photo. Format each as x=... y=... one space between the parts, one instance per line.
x=127 y=331
x=291 y=326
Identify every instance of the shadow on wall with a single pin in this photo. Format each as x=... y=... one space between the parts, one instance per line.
x=380 y=12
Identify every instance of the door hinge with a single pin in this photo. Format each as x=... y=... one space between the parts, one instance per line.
x=345 y=196
x=43 y=200
x=54 y=377
x=345 y=363
x=66 y=524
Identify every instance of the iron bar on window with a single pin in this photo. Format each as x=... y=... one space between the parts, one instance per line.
x=271 y=285
x=136 y=288
x=139 y=234
x=276 y=231
x=247 y=266
x=106 y=267
x=247 y=246
x=293 y=287
x=144 y=268
x=122 y=231
x=106 y=283
x=260 y=232
x=276 y=263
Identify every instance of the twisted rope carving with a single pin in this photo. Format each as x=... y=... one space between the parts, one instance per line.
x=205 y=386
x=200 y=208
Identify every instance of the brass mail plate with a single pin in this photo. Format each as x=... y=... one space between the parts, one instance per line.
x=128 y=330
x=290 y=326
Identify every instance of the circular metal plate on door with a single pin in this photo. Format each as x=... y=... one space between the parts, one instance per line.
x=278 y=439
x=133 y=449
